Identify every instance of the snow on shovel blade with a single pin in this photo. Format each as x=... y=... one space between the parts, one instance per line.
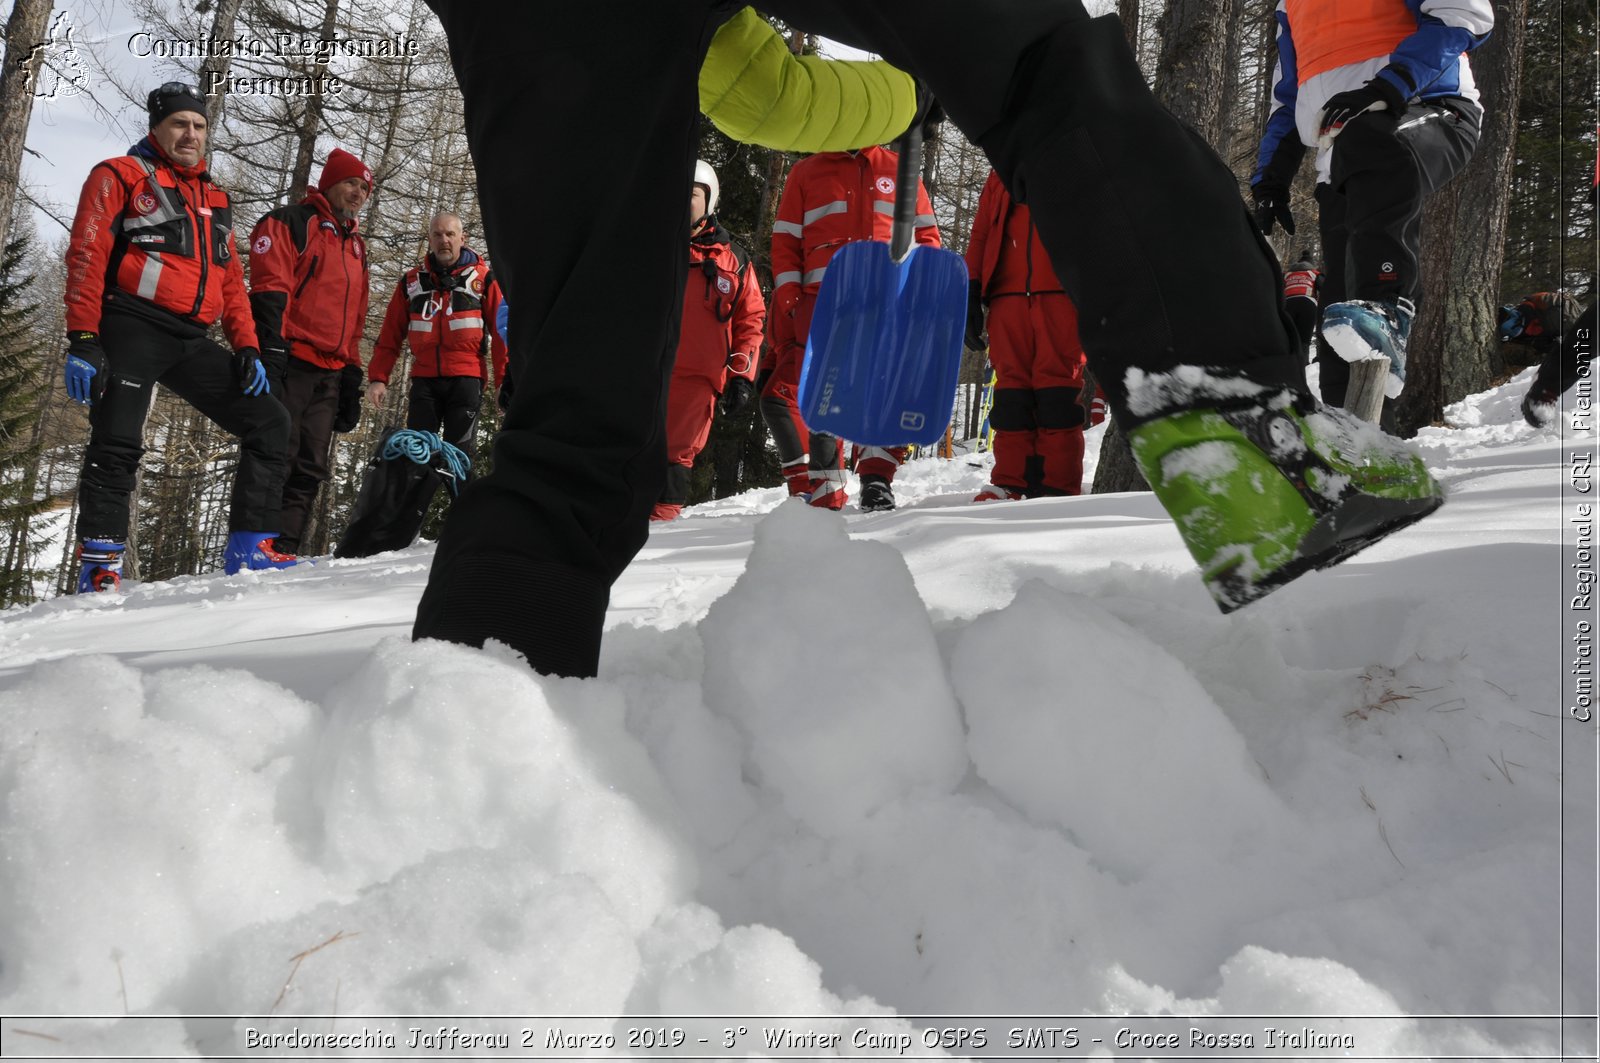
x=884 y=349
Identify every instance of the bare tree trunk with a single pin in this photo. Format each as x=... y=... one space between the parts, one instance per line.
x=1453 y=352
x=311 y=121
x=1192 y=77
x=25 y=31
x=1192 y=81
x=1128 y=12
x=214 y=70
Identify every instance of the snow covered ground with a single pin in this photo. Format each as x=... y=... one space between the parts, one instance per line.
x=977 y=762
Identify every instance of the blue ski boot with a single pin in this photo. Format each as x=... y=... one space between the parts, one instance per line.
x=101 y=569
x=254 y=551
x=1359 y=329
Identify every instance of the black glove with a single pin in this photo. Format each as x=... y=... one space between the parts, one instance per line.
x=736 y=396
x=249 y=372
x=1539 y=406
x=349 y=414
x=975 y=316
x=502 y=398
x=1376 y=95
x=1272 y=205
x=86 y=368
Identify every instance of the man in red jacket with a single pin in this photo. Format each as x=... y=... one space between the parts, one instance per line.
x=308 y=288
x=445 y=309
x=1038 y=412
x=829 y=200
x=150 y=267
x=718 y=341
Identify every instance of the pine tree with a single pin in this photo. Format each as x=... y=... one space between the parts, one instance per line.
x=24 y=386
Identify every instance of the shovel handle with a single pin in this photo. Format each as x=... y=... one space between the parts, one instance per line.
x=907 y=180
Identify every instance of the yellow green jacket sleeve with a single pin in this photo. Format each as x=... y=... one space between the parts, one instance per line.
x=758 y=92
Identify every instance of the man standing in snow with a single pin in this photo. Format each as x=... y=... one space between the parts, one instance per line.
x=1384 y=90
x=445 y=309
x=308 y=288
x=829 y=200
x=1037 y=413
x=723 y=314
x=1187 y=338
x=150 y=267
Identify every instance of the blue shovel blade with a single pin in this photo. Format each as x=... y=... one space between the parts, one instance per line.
x=884 y=349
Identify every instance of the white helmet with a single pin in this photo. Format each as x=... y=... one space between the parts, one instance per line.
x=705 y=175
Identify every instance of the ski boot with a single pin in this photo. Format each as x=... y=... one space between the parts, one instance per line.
x=1268 y=490
x=254 y=551
x=1360 y=329
x=101 y=561
x=876 y=494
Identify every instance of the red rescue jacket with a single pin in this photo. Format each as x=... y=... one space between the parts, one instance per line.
x=723 y=311
x=1005 y=254
x=829 y=200
x=446 y=316
x=151 y=230
x=308 y=283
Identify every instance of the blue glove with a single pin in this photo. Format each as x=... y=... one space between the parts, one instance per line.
x=501 y=317
x=247 y=367
x=86 y=364
x=1512 y=323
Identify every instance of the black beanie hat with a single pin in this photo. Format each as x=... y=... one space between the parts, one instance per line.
x=171 y=98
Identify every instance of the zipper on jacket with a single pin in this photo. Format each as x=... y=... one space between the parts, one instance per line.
x=344 y=310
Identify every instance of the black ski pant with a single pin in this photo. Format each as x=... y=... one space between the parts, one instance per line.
x=311 y=394
x=448 y=406
x=1382 y=168
x=142 y=352
x=1144 y=223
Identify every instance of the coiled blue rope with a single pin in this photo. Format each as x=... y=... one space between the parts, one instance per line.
x=421 y=446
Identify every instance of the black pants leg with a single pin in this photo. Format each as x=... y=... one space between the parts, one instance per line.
x=1334 y=372
x=312 y=398
x=529 y=552
x=141 y=354
x=447 y=405
x=1384 y=165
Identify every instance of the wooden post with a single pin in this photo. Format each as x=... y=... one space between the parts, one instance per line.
x=1364 y=397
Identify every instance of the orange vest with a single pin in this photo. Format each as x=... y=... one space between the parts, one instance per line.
x=1334 y=33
